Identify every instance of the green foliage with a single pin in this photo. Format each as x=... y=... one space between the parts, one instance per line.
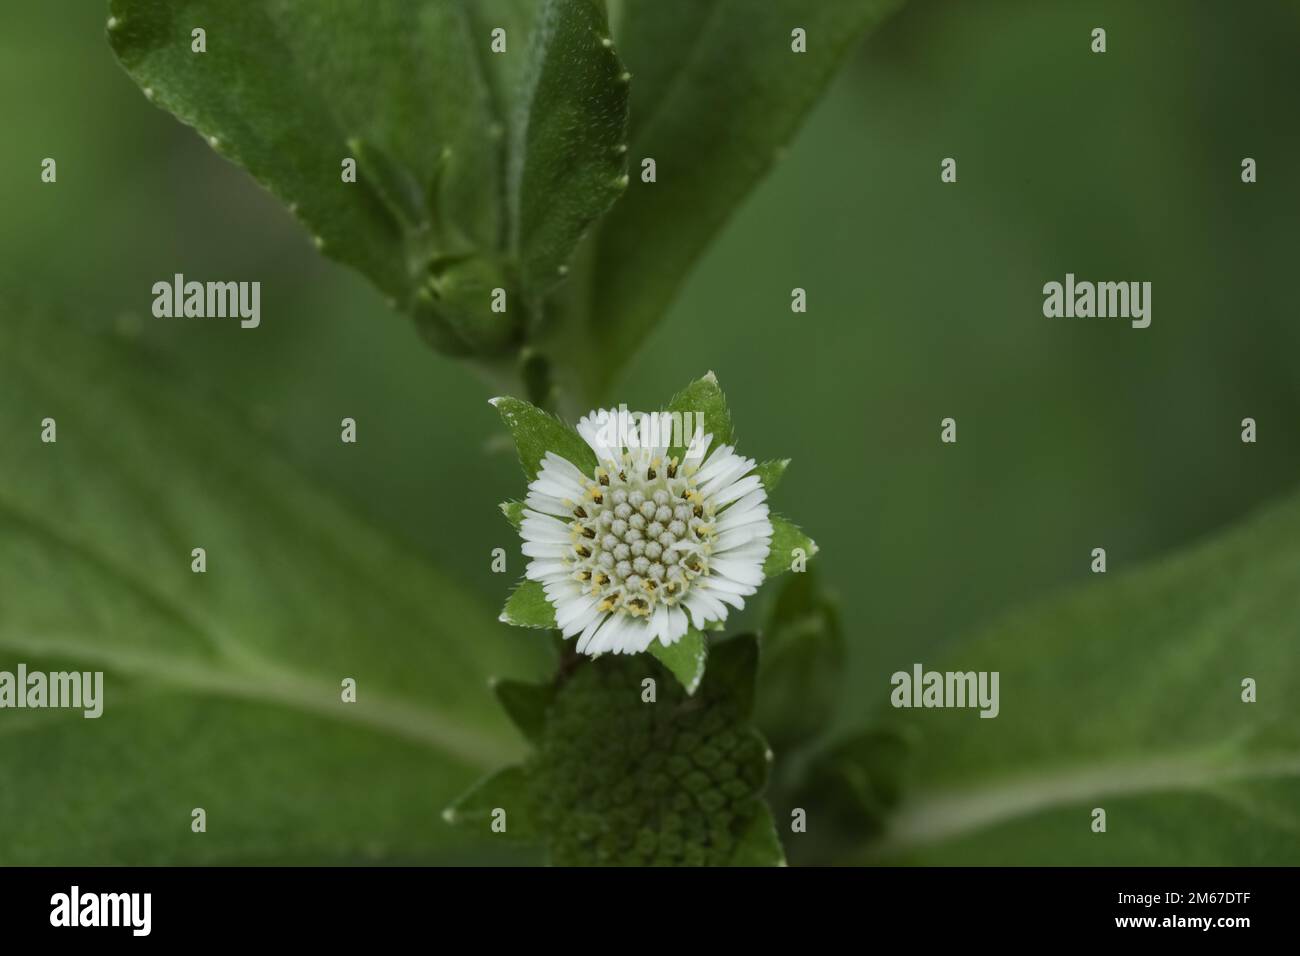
x=717 y=92
x=469 y=172
x=845 y=788
x=526 y=705
x=803 y=658
x=570 y=153
x=1126 y=695
x=617 y=780
x=480 y=170
x=848 y=790
x=222 y=690
x=288 y=90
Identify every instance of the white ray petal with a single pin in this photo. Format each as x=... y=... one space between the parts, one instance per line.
x=591 y=632
x=744 y=572
x=546 y=505
x=721 y=458
x=547 y=549
x=542 y=569
x=677 y=625
x=740 y=488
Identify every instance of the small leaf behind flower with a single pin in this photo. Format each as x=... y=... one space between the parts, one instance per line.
x=536 y=432
x=703 y=398
x=503 y=796
x=686 y=658
x=759 y=844
x=786 y=537
x=771 y=473
x=514 y=512
x=527 y=606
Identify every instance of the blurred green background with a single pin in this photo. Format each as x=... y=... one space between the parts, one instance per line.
x=924 y=302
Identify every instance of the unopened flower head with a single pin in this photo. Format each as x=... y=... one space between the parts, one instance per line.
x=647 y=545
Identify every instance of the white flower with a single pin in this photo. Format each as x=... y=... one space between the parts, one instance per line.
x=644 y=547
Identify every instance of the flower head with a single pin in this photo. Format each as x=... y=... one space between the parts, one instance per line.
x=646 y=545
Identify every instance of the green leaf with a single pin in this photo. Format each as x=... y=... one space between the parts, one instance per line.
x=536 y=432
x=801 y=663
x=1126 y=695
x=848 y=791
x=870 y=766
x=686 y=658
x=222 y=690
x=860 y=779
x=759 y=844
x=514 y=512
x=771 y=473
x=734 y=669
x=569 y=158
x=504 y=792
x=703 y=398
x=786 y=538
x=716 y=93
x=526 y=705
x=504 y=72
x=535 y=373
x=617 y=780
x=527 y=606
x=289 y=89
